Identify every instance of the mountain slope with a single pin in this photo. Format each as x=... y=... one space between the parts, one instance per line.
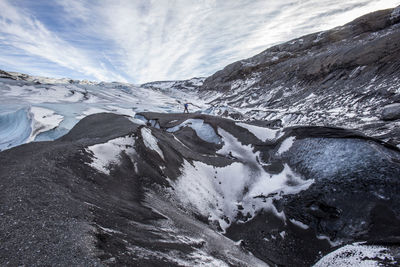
x=341 y=77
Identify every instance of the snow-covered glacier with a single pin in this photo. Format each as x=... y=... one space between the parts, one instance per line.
x=39 y=109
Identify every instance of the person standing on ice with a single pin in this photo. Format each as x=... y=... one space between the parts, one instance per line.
x=186 y=110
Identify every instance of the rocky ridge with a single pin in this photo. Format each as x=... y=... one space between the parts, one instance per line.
x=341 y=77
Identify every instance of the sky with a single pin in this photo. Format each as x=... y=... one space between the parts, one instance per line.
x=139 y=41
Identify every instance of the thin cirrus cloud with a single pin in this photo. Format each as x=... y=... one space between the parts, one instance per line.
x=20 y=31
x=141 y=40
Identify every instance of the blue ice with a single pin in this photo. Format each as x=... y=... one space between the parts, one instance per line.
x=15 y=128
x=203 y=130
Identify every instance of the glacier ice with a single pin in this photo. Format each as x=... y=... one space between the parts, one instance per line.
x=43 y=120
x=334 y=158
x=15 y=128
x=202 y=129
x=73 y=101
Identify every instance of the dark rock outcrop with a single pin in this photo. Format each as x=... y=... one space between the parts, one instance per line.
x=6 y=75
x=391 y=112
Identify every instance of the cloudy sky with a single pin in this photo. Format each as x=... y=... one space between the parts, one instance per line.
x=139 y=41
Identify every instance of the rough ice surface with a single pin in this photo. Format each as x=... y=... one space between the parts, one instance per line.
x=216 y=192
x=51 y=134
x=107 y=154
x=25 y=124
x=355 y=255
x=15 y=128
x=43 y=120
x=203 y=130
x=261 y=133
x=74 y=100
x=151 y=142
x=90 y=111
x=48 y=93
x=333 y=157
x=155 y=124
x=140 y=119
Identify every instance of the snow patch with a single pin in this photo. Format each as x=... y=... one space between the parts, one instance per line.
x=150 y=141
x=310 y=96
x=200 y=258
x=261 y=133
x=284 y=183
x=327 y=238
x=108 y=230
x=107 y=154
x=232 y=147
x=282 y=234
x=299 y=224
x=43 y=119
x=286 y=145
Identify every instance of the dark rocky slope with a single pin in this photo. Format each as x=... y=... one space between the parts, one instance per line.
x=112 y=192
x=341 y=77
